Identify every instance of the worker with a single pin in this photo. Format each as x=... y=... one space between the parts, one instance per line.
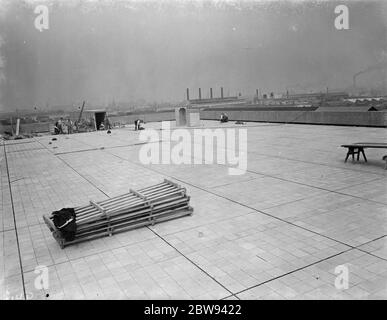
x=139 y=124
x=223 y=117
x=107 y=123
x=56 y=128
x=60 y=125
x=65 y=127
x=70 y=126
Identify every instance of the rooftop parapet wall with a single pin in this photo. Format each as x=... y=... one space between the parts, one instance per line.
x=369 y=119
x=146 y=117
x=39 y=127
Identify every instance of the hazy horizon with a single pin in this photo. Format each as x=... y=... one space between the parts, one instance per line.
x=125 y=51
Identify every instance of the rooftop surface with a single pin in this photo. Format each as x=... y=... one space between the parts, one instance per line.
x=279 y=231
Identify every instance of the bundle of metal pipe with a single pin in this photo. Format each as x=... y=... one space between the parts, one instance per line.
x=154 y=204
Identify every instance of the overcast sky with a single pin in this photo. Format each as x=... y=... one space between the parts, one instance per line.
x=129 y=50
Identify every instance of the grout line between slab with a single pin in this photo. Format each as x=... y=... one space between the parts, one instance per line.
x=14 y=221
x=26 y=150
x=314 y=163
x=360 y=183
x=370 y=253
x=365 y=243
x=192 y=262
x=295 y=270
x=77 y=172
x=320 y=188
x=92 y=254
x=7 y=230
x=16 y=144
x=232 y=295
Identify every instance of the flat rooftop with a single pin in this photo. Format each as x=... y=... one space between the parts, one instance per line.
x=279 y=231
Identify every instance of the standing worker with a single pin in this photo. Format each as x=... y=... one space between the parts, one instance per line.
x=107 y=124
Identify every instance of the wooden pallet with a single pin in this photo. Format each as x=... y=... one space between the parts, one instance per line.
x=162 y=202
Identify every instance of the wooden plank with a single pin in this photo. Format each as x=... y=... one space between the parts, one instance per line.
x=366 y=145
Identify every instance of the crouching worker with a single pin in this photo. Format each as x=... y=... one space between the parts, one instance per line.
x=137 y=125
x=141 y=125
x=64 y=221
x=223 y=117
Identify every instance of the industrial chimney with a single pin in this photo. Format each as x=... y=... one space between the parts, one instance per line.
x=188 y=94
x=200 y=94
x=211 y=93
x=221 y=92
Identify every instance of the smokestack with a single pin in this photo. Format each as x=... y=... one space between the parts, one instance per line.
x=211 y=93
x=187 y=93
x=221 y=92
x=200 y=94
x=256 y=91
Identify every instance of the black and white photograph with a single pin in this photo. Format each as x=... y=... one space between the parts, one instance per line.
x=193 y=150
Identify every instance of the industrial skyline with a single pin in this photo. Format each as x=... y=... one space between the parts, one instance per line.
x=128 y=51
